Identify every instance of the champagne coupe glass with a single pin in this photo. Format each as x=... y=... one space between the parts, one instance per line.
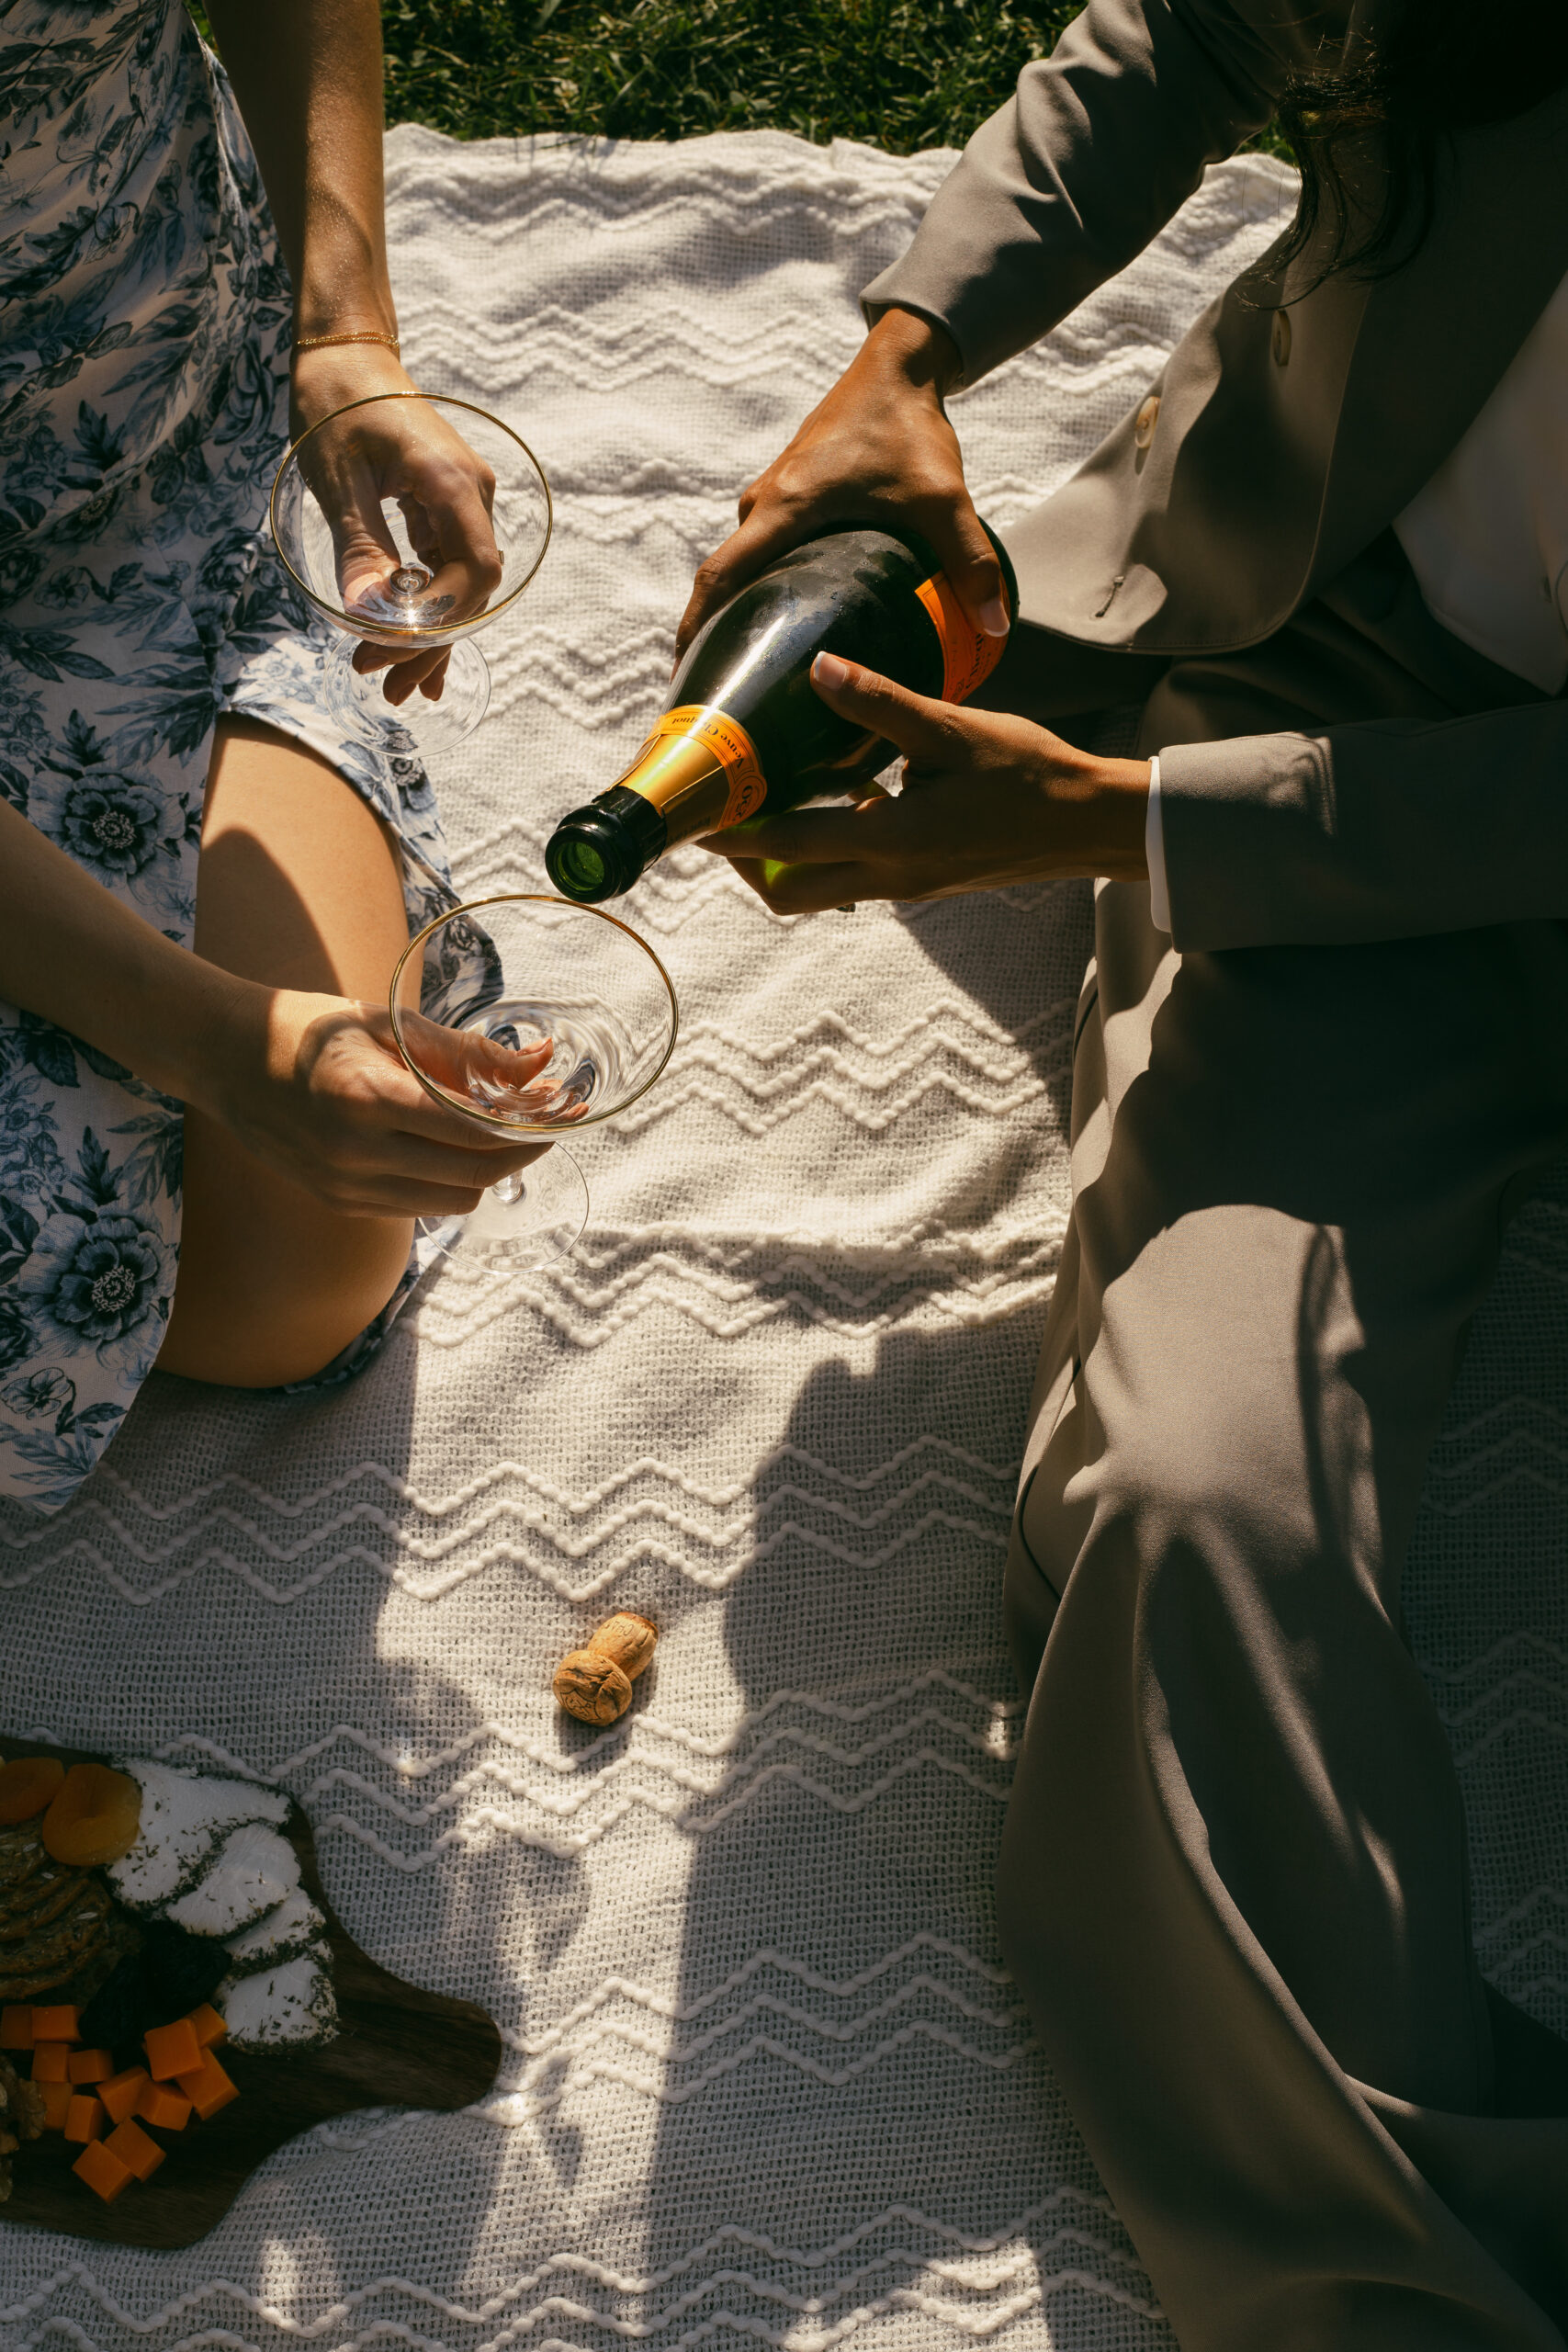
x=408 y=600
x=545 y=972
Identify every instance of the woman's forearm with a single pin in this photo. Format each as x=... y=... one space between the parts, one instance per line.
x=307 y=74
x=70 y=951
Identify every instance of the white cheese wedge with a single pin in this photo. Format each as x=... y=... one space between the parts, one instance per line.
x=279 y=1934
x=253 y=1871
x=291 y=2008
x=184 y=1816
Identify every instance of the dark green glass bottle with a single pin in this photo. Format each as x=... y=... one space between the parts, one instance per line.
x=743 y=727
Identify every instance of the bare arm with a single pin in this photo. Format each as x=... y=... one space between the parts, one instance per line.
x=311 y=1084
x=70 y=951
x=307 y=75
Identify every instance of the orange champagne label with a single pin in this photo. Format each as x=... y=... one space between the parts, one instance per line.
x=968 y=655
x=726 y=744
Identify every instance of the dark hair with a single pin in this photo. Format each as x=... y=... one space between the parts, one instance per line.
x=1394 y=106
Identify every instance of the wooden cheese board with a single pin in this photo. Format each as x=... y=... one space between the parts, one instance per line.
x=398 y=2046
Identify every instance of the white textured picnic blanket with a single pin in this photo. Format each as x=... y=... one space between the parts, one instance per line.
x=766 y=2079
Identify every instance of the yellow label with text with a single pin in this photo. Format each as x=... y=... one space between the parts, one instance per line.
x=968 y=655
x=726 y=742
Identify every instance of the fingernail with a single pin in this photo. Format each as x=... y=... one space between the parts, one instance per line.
x=994 y=618
x=828 y=671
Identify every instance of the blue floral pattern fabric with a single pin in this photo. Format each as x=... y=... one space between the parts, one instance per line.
x=144 y=413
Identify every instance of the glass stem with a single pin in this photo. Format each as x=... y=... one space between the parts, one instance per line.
x=511 y=1189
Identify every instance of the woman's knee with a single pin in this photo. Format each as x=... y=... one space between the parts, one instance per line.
x=242 y=1325
x=272 y=1282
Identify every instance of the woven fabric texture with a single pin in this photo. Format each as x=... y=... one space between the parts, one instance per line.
x=766 y=2080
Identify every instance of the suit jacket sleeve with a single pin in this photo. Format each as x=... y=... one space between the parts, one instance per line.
x=1100 y=145
x=1383 y=830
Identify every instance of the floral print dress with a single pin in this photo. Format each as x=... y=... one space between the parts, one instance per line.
x=144 y=329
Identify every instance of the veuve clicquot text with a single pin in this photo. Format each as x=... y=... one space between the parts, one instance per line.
x=744 y=730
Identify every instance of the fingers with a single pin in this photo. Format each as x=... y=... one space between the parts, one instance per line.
x=482 y=1070
x=404 y=1160
x=446 y=492
x=424 y=673
x=969 y=559
x=767 y=532
x=447 y=508
x=809 y=890
x=380 y=1194
x=812 y=859
x=339 y=1110
x=399 y=1171
x=379 y=1172
x=922 y=728
x=363 y=544
x=804 y=837
x=372 y=1099
x=769 y=528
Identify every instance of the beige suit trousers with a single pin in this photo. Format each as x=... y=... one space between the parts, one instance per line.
x=1233 y=1886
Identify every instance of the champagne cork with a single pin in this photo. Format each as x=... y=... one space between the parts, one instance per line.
x=594 y=1683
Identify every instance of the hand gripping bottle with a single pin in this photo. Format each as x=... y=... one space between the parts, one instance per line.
x=744 y=730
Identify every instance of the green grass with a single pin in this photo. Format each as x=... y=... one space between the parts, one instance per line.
x=902 y=73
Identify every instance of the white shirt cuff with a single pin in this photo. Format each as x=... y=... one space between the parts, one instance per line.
x=1153 y=853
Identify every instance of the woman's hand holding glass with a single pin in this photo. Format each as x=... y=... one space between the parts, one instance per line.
x=578 y=996
x=409 y=521
x=404 y=450
x=315 y=1087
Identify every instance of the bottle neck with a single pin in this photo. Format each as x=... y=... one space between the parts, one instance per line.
x=699 y=769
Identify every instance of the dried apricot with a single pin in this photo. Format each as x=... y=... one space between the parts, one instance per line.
x=27 y=1784
x=95 y=1817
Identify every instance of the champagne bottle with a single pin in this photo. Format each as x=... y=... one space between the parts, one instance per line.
x=744 y=730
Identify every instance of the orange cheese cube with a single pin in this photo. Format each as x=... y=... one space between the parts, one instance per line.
x=84 y=2117
x=171 y=2050
x=63 y=2023
x=135 y=2150
x=206 y=2087
x=121 y=2093
x=170 y=2110
x=88 y=2066
x=104 y=2174
x=51 y=2062
x=207 y=2024
x=57 y=2098
x=16 y=2026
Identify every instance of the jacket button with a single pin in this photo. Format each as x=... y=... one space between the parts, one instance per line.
x=1145 y=421
x=1281 y=338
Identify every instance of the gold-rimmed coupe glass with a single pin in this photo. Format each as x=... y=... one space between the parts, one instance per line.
x=547 y=974
x=383 y=577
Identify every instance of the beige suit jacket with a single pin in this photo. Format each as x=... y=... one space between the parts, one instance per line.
x=1291 y=426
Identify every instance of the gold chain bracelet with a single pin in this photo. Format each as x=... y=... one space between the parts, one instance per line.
x=368 y=334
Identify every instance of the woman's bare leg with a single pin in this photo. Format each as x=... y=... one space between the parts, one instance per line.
x=297 y=887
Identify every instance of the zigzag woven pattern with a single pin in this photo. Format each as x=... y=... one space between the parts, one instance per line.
x=766 y=2081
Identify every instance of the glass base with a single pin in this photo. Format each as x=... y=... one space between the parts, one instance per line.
x=417 y=728
x=524 y=1221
